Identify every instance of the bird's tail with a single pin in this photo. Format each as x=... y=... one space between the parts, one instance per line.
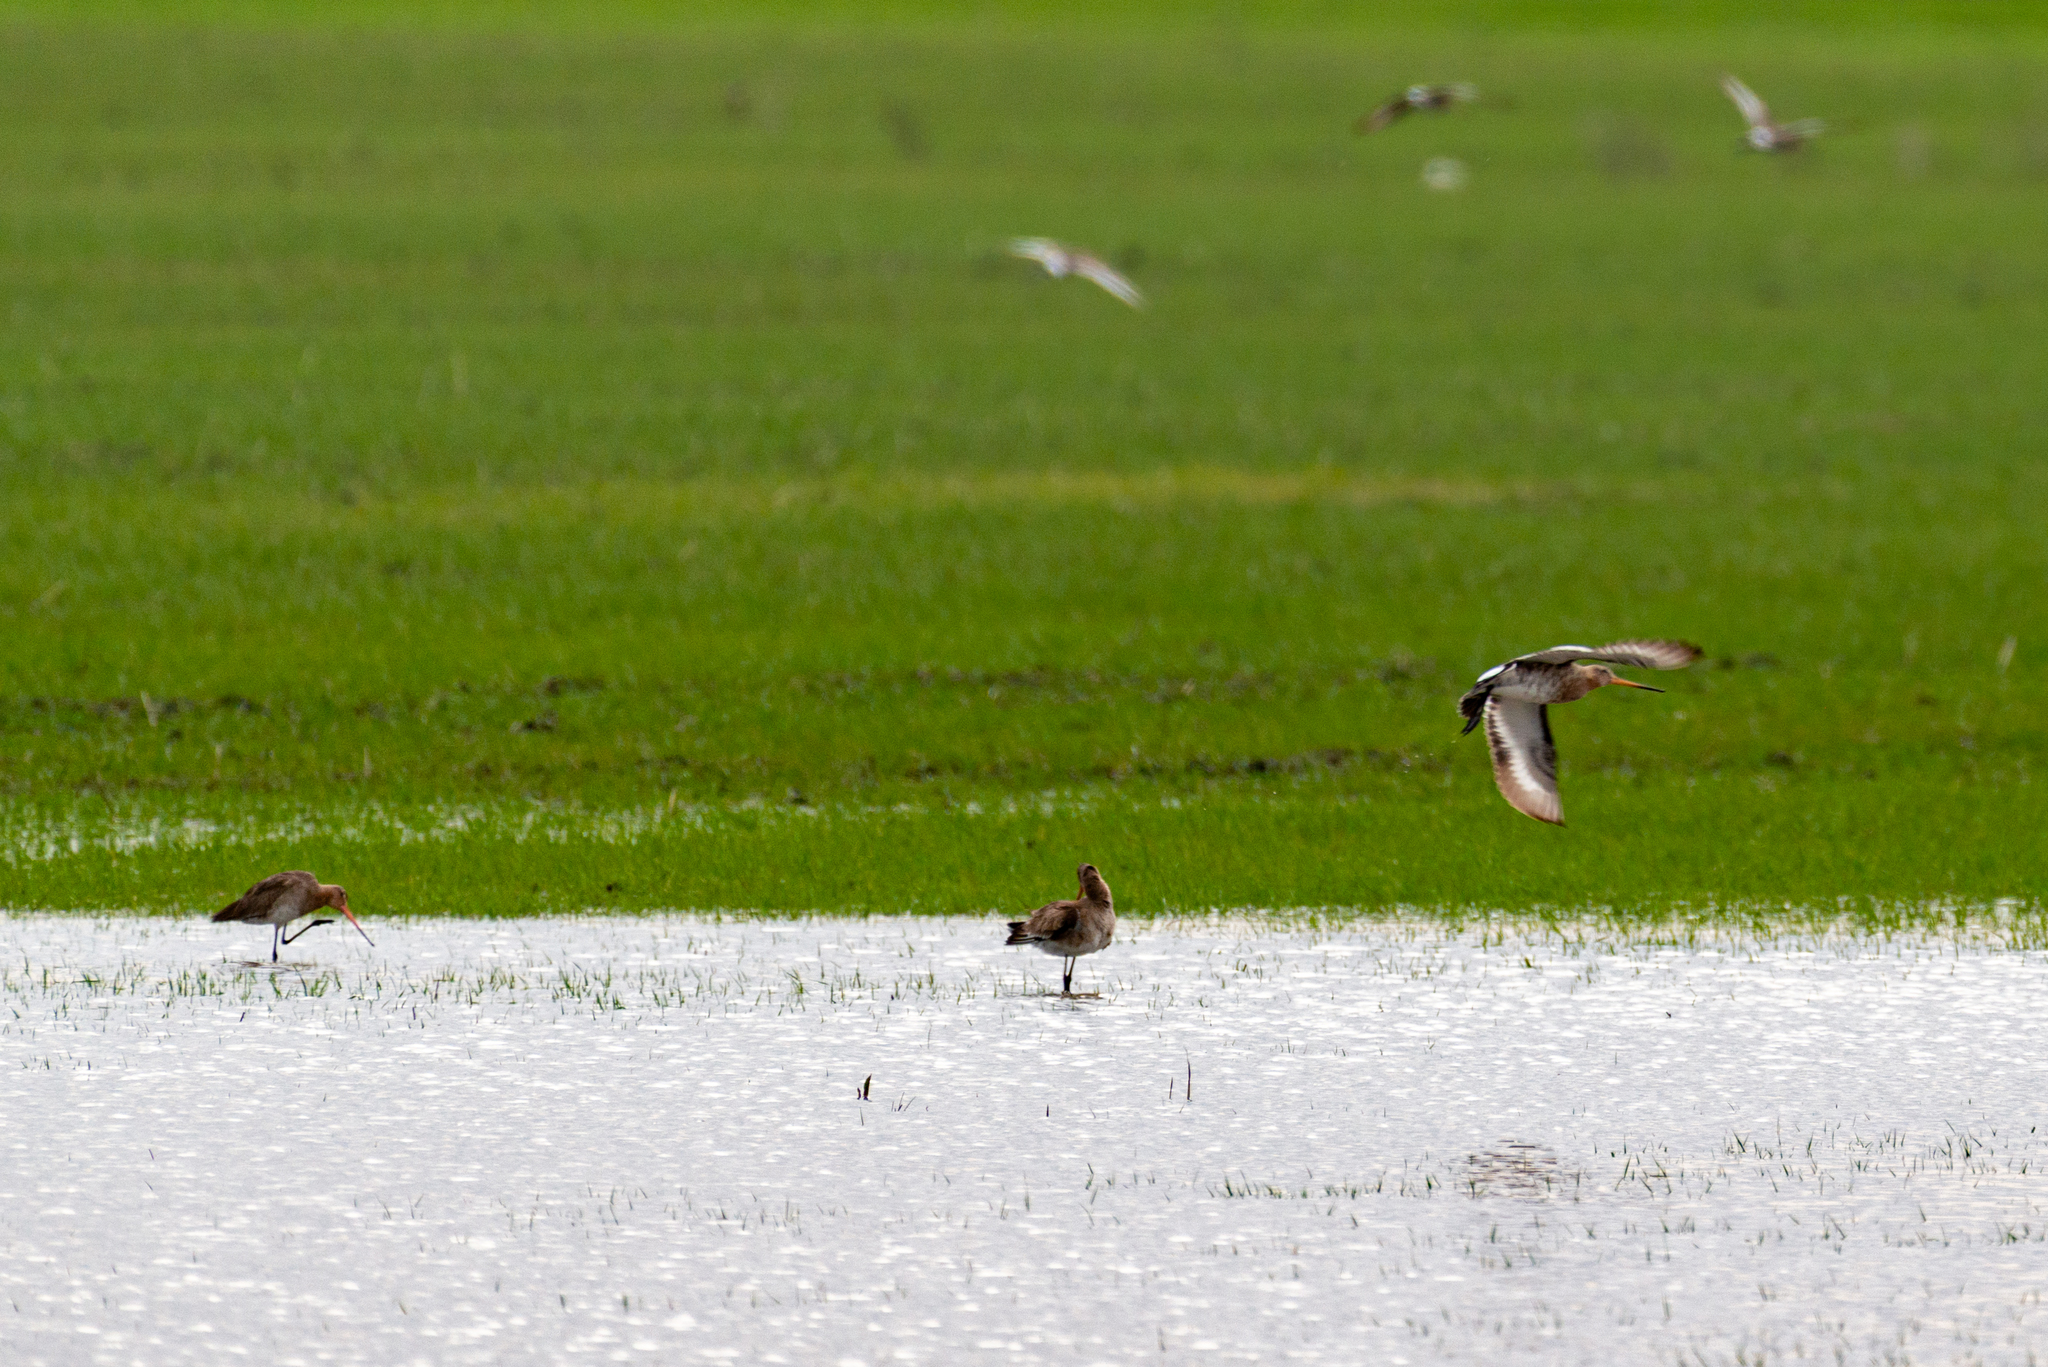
x=1018 y=937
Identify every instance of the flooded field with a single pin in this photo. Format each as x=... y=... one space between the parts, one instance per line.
x=673 y=1140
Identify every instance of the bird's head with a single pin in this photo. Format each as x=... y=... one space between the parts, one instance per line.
x=336 y=896
x=1599 y=676
x=1092 y=884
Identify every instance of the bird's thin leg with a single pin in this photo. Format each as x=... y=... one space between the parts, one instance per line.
x=275 y=932
x=1067 y=983
x=324 y=921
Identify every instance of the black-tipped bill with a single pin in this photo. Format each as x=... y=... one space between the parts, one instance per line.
x=359 y=927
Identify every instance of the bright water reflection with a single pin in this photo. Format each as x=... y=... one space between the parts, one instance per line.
x=641 y=1140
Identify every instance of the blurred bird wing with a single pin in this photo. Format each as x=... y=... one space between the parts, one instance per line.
x=1805 y=128
x=1043 y=250
x=1524 y=758
x=1103 y=274
x=1384 y=115
x=1052 y=920
x=1556 y=655
x=1635 y=654
x=1752 y=106
x=259 y=901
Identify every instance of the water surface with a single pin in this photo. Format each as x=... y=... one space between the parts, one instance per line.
x=668 y=1139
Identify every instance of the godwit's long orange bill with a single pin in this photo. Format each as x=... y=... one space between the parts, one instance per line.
x=358 y=925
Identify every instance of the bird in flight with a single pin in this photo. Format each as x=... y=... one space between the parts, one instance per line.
x=1414 y=98
x=282 y=898
x=1071 y=929
x=1764 y=135
x=1061 y=262
x=1513 y=700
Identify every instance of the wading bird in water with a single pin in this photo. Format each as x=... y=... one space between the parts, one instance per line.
x=1513 y=700
x=1764 y=135
x=1061 y=262
x=1412 y=100
x=1071 y=929
x=282 y=898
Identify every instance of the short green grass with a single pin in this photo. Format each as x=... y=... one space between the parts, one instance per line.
x=509 y=464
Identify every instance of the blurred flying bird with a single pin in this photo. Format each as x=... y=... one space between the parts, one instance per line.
x=282 y=898
x=1071 y=929
x=1764 y=135
x=1513 y=700
x=1061 y=262
x=1415 y=97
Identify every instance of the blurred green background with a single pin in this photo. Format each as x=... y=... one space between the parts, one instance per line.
x=515 y=457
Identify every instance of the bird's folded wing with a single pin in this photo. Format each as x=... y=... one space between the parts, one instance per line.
x=1524 y=759
x=1753 y=108
x=1636 y=654
x=1089 y=268
x=258 y=901
x=1052 y=920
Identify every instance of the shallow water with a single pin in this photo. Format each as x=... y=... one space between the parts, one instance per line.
x=645 y=1140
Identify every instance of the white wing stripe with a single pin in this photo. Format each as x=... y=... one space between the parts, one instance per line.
x=1524 y=761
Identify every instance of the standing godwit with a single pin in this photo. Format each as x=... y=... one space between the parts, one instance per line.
x=282 y=898
x=1071 y=929
x=1513 y=699
x=1764 y=135
x=1061 y=261
x=1415 y=98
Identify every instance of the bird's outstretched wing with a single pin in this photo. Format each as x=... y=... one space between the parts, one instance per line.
x=1754 y=110
x=1805 y=128
x=1635 y=654
x=1524 y=757
x=1387 y=113
x=1102 y=273
x=1043 y=250
x=259 y=901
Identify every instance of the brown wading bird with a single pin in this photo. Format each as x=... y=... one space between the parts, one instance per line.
x=282 y=898
x=1071 y=929
x=1414 y=98
x=1061 y=262
x=1513 y=700
x=1764 y=135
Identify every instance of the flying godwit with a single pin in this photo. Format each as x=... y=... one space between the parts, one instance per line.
x=1412 y=100
x=1764 y=135
x=1071 y=929
x=1513 y=699
x=283 y=898
x=1061 y=262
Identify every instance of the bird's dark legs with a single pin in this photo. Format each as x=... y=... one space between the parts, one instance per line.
x=275 y=931
x=1067 y=984
x=304 y=928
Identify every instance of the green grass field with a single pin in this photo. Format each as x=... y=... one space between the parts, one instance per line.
x=507 y=463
